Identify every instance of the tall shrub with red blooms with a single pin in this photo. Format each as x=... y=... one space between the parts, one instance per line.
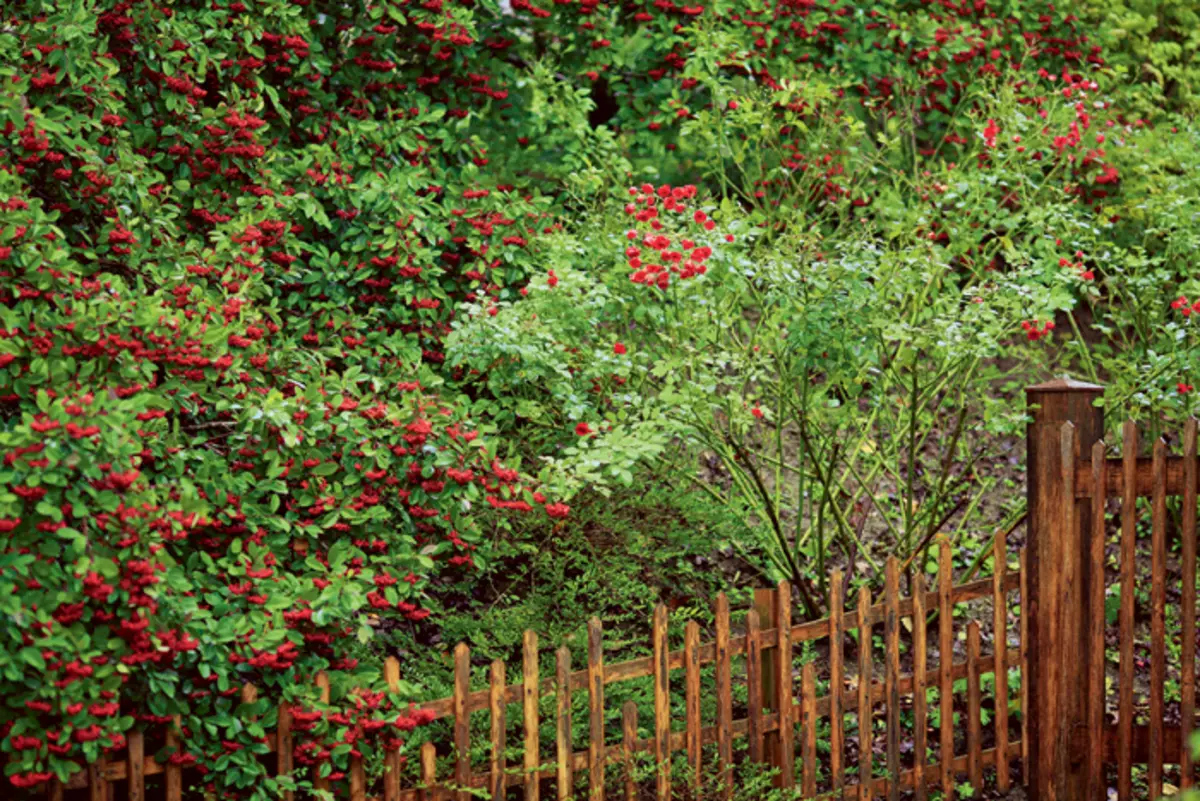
x=229 y=246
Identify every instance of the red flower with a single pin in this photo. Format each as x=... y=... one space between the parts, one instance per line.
x=619 y=349
x=757 y=412
x=1184 y=388
x=583 y=429
x=990 y=133
x=558 y=511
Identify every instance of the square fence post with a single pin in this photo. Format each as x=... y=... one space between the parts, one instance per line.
x=1057 y=546
x=768 y=612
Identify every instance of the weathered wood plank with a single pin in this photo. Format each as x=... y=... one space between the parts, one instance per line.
x=564 y=776
x=1158 y=639
x=1129 y=447
x=499 y=728
x=945 y=662
x=595 y=710
x=1187 y=635
x=837 y=682
x=724 y=696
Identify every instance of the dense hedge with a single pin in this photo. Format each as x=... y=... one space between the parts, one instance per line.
x=233 y=237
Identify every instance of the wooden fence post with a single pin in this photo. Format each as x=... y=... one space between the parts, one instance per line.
x=1058 y=544
x=768 y=616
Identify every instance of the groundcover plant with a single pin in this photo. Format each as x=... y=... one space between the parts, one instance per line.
x=307 y=308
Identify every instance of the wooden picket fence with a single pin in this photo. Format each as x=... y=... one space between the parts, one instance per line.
x=779 y=720
x=828 y=682
x=1095 y=481
x=775 y=715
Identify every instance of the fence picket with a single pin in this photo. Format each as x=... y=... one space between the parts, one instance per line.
x=1024 y=652
x=595 y=710
x=564 y=772
x=836 y=683
x=529 y=709
x=724 y=696
x=1129 y=447
x=462 y=721
x=392 y=764
x=754 y=686
x=974 y=721
x=662 y=705
x=629 y=715
x=783 y=676
x=1158 y=595
x=322 y=680
x=945 y=669
x=174 y=774
x=430 y=790
x=1095 y=633
x=865 y=733
x=358 y=780
x=1000 y=655
x=691 y=662
x=920 y=698
x=496 y=708
x=135 y=745
x=1187 y=635
x=97 y=784
x=891 y=628
x=808 y=724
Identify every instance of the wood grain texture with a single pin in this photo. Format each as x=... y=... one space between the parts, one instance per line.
x=1064 y=421
x=920 y=698
x=1187 y=603
x=429 y=784
x=462 y=721
x=754 y=687
x=662 y=707
x=529 y=713
x=1000 y=649
x=974 y=707
x=173 y=784
x=1095 y=629
x=1023 y=660
x=891 y=677
x=564 y=775
x=392 y=763
x=808 y=728
x=1129 y=448
x=322 y=782
x=1158 y=639
x=783 y=692
x=595 y=710
x=768 y=610
x=945 y=664
x=499 y=729
x=866 y=734
x=629 y=716
x=837 y=683
x=135 y=744
x=724 y=695
x=693 y=725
